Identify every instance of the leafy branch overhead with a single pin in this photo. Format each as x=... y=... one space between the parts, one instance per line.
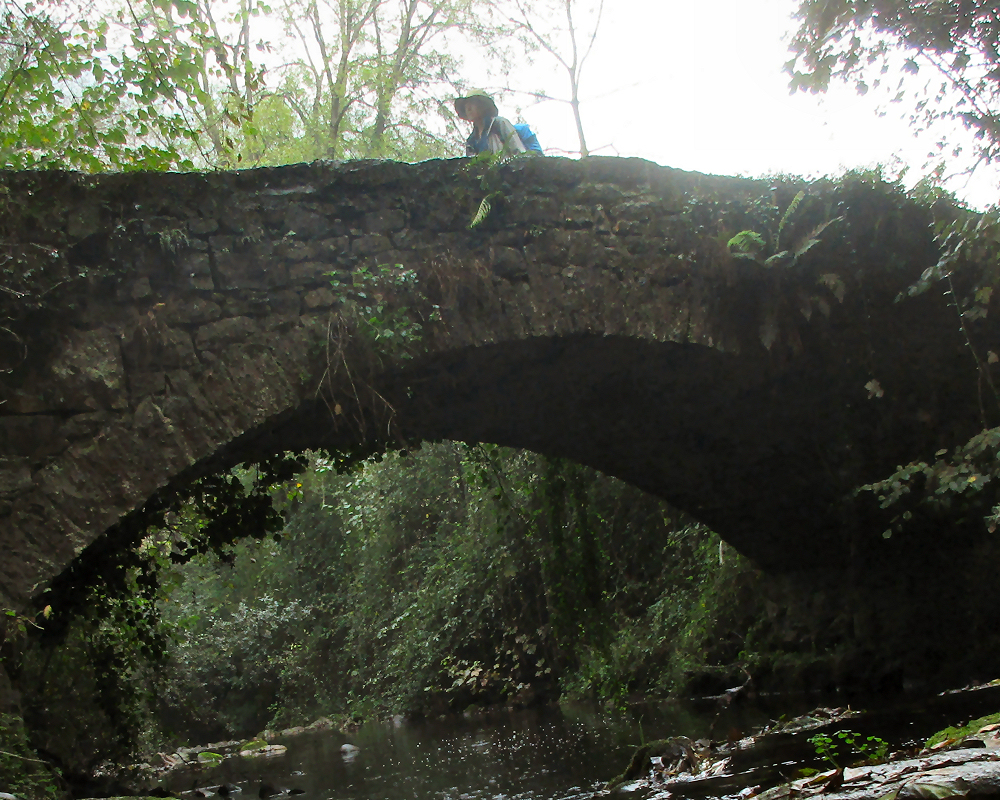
x=965 y=478
x=940 y=59
x=967 y=271
x=124 y=91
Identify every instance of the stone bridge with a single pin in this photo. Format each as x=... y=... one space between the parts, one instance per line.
x=158 y=327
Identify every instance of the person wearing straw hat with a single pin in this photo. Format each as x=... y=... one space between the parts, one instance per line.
x=490 y=132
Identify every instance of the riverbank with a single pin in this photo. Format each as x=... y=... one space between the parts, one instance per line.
x=834 y=752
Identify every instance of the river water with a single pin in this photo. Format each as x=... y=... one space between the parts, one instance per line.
x=553 y=753
x=565 y=752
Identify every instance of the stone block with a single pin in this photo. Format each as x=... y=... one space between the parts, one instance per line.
x=508 y=263
x=334 y=247
x=251 y=266
x=141 y=289
x=538 y=210
x=29 y=436
x=83 y=221
x=319 y=298
x=148 y=415
x=237 y=307
x=154 y=343
x=280 y=323
x=146 y=383
x=282 y=303
x=384 y=221
x=551 y=247
x=234 y=219
x=88 y=372
x=295 y=249
x=638 y=210
x=192 y=312
x=83 y=426
x=583 y=248
x=578 y=216
x=304 y=223
x=15 y=475
x=309 y=272
x=370 y=244
x=202 y=226
x=224 y=331
x=591 y=194
x=196 y=268
x=221 y=243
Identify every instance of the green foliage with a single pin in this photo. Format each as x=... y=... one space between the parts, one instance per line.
x=371 y=84
x=861 y=43
x=117 y=92
x=143 y=84
x=374 y=303
x=447 y=576
x=828 y=747
x=96 y=653
x=970 y=247
x=753 y=246
x=22 y=772
x=488 y=166
x=964 y=480
x=747 y=243
x=102 y=673
x=784 y=246
x=485 y=206
x=961 y=731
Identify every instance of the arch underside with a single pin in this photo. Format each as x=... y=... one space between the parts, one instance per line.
x=705 y=430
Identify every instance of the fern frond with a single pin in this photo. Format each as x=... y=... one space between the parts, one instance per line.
x=778 y=259
x=787 y=217
x=812 y=238
x=482 y=213
x=747 y=243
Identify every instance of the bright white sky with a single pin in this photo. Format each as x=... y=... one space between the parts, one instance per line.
x=699 y=86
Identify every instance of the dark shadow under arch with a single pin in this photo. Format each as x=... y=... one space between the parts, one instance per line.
x=706 y=430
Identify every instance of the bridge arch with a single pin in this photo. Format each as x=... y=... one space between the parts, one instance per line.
x=185 y=323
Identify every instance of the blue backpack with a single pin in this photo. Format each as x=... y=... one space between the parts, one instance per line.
x=528 y=138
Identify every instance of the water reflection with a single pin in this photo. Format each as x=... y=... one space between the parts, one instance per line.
x=553 y=753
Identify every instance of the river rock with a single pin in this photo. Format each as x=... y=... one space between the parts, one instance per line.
x=265 y=752
x=957 y=773
x=349 y=752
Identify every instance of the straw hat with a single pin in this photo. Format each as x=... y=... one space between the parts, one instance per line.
x=479 y=98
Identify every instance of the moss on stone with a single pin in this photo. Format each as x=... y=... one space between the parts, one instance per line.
x=960 y=732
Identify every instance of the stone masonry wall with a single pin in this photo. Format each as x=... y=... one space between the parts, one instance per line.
x=162 y=325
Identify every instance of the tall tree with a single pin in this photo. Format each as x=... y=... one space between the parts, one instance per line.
x=943 y=58
x=318 y=85
x=406 y=58
x=71 y=98
x=364 y=77
x=125 y=89
x=209 y=44
x=566 y=30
